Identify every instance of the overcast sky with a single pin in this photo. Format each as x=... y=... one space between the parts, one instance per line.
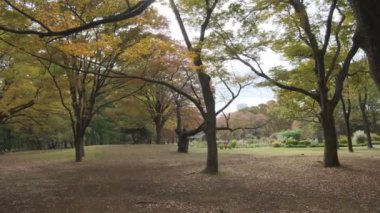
x=251 y=95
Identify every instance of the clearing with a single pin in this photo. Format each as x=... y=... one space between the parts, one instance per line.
x=154 y=178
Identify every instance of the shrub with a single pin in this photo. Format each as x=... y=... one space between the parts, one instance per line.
x=221 y=146
x=233 y=143
x=359 y=137
x=317 y=145
x=296 y=134
x=276 y=144
x=342 y=141
x=304 y=143
x=375 y=137
x=291 y=142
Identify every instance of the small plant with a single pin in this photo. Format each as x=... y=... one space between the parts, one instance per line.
x=276 y=144
x=233 y=143
x=342 y=141
x=295 y=133
x=221 y=146
x=359 y=137
x=375 y=137
x=229 y=146
x=304 y=143
x=291 y=142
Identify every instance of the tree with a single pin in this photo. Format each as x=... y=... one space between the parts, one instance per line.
x=19 y=83
x=29 y=17
x=240 y=123
x=158 y=102
x=205 y=102
x=367 y=15
x=205 y=8
x=87 y=61
x=345 y=101
x=157 y=57
x=363 y=97
x=327 y=58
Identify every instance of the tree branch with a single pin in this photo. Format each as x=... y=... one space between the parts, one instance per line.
x=129 y=13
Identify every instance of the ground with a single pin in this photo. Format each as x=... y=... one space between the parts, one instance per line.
x=154 y=178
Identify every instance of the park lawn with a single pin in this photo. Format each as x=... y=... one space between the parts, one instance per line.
x=154 y=178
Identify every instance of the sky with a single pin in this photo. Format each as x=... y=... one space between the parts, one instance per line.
x=251 y=96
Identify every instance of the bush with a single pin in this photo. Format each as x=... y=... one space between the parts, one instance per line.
x=359 y=137
x=221 y=146
x=233 y=143
x=317 y=145
x=291 y=142
x=375 y=137
x=276 y=144
x=342 y=141
x=296 y=134
x=304 y=143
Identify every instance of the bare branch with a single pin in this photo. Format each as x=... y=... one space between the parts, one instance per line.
x=338 y=43
x=181 y=25
x=329 y=26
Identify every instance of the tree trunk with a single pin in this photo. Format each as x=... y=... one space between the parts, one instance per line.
x=367 y=13
x=346 y=115
x=78 y=153
x=367 y=128
x=159 y=128
x=82 y=149
x=183 y=143
x=101 y=138
x=328 y=124
x=374 y=126
x=212 y=150
x=210 y=123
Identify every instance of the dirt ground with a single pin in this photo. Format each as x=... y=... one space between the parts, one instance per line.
x=157 y=179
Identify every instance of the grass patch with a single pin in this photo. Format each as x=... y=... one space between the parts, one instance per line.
x=91 y=152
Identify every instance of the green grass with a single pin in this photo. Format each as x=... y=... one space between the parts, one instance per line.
x=100 y=152
x=92 y=153
x=287 y=151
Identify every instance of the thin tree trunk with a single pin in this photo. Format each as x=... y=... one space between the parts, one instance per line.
x=329 y=131
x=375 y=127
x=183 y=140
x=367 y=125
x=183 y=143
x=346 y=115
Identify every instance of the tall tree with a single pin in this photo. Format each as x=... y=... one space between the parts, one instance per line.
x=362 y=98
x=85 y=63
x=327 y=58
x=345 y=101
x=205 y=101
x=204 y=10
x=157 y=56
